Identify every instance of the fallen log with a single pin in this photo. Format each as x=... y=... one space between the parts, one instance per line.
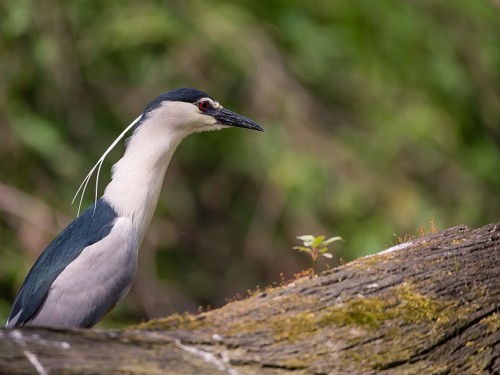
x=430 y=305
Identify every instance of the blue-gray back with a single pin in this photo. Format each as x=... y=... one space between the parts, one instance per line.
x=90 y=227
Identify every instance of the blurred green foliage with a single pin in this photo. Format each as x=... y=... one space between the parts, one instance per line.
x=379 y=117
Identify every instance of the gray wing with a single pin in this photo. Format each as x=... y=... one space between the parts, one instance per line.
x=90 y=228
x=94 y=283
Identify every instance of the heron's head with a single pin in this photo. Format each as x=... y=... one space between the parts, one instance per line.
x=187 y=110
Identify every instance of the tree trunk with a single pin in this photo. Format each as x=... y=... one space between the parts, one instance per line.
x=428 y=306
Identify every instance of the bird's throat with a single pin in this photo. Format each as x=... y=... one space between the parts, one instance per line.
x=138 y=177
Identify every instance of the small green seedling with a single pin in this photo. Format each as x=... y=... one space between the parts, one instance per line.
x=316 y=246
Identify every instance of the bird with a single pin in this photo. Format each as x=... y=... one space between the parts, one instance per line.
x=90 y=266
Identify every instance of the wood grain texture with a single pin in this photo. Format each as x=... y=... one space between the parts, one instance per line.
x=431 y=306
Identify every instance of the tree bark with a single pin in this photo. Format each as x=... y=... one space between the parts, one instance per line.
x=428 y=306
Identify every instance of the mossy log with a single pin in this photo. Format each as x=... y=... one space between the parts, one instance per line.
x=428 y=306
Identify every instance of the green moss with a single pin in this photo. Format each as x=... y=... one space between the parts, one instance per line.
x=172 y=322
x=371 y=261
x=298 y=326
x=365 y=312
x=404 y=303
x=415 y=307
x=492 y=322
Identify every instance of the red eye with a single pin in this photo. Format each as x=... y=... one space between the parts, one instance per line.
x=203 y=105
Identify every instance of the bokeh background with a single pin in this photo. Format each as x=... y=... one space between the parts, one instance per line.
x=379 y=117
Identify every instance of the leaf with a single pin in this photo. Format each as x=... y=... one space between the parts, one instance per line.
x=302 y=248
x=307 y=239
x=317 y=241
x=327 y=255
x=323 y=250
x=332 y=239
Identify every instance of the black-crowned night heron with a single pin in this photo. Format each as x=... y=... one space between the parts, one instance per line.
x=90 y=266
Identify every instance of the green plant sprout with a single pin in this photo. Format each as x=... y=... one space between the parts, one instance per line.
x=316 y=246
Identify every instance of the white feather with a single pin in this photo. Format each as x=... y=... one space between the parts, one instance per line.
x=99 y=164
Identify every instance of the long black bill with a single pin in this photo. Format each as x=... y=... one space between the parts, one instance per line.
x=225 y=117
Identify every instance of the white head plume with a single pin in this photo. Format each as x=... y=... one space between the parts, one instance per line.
x=98 y=165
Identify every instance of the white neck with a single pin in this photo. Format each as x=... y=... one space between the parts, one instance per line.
x=137 y=177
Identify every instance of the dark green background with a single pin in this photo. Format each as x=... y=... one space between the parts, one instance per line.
x=379 y=116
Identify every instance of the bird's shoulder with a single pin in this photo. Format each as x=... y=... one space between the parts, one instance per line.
x=93 y=225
